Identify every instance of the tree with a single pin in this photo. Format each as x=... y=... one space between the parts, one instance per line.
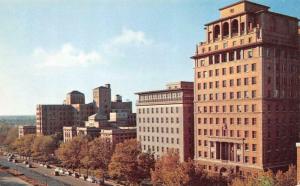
x=23 y=145
x=288 y=178
x=96 y=155
x=11 y=136
x=170 y=171
x=129 y=163
x=43 y=147
x=70 y=153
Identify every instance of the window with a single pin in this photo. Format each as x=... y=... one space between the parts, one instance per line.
x=238 y=82
x=224 y=83
x=231 y=82
x=253 y=80
x=250 y=53
x=254 y=134
x=246 y=134
x=238 y=95
x=217 y=72
x=253 y=121
x=246 y=146
x=223 y=71
x=253 y=67
x=246 y=159
x=238 y=69
x=231 y=70
x=254 y=160
x=245 y=68
x=254 y=147
x=253 y=93
x=246 y=81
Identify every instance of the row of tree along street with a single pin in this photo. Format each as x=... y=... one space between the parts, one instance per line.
x=128 y=164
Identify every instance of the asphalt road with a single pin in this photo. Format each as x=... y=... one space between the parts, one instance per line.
x=9 y=180
x=44 y=175
x=33 y=174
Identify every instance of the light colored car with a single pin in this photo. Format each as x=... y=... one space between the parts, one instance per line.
x=91 y=179
x=83 y=177
x=29 y=165
x=25 y=162
x=47 y=166
x=75 y=175
x=69 y=173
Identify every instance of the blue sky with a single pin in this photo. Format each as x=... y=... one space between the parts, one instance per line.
x=50 y=47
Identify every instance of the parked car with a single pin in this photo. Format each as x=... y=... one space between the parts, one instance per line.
x=25 y=162
x=14 y=160
x=83 y=177
x=69 y=173
x=55 y=173
x=47 y=166
x=91 y=179
x=9 y=159
x=29 y=165
x=75 y=175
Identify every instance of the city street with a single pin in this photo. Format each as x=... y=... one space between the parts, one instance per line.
x=44 y=175
x=8 y=180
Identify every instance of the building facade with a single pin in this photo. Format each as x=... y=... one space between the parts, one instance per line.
x=247 y=91
x=165 y=120
x=50 y=119
x=118 y=135
x=26 y=129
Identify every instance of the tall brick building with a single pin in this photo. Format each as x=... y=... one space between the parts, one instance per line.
x=247 y=90
x=50 y=119
x=165 y=120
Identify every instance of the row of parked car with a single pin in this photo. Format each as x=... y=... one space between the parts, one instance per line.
x=63 y=172
x=57 y=171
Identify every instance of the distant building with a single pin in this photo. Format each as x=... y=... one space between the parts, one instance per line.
x=165 y=120
x=75 y=97
x=69 y=133
x=76 y=115
x=50 y=119
x=118 y=135
x=102 y=99
x=26 y=129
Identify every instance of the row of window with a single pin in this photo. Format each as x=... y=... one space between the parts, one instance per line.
x=157 y=120
x=232 y=108
x=158 y=110
x=159 y=130
x=159 y=149
x=238 y=121
x=160 y=96
x=225 y=83
x=238 y=157
x=225 y=95
x=216 y=72
x=230 y=133
x=159 y=139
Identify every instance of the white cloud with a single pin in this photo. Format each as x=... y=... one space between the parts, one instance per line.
x=131 y=37
x=67 y=56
